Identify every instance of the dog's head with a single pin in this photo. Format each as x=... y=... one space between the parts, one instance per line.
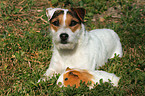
x=65 y=26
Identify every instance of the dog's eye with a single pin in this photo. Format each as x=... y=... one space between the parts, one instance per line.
x=73 y=23
x=56 y=23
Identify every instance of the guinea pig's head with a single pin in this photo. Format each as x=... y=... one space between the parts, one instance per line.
x=75 y=76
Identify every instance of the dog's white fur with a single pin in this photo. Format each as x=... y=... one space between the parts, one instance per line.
x=97 y=76
x=86 y=50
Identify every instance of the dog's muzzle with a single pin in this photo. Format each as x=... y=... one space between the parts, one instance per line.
x=64 y=38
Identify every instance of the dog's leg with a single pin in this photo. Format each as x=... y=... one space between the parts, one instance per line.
x=118 y=50
x=49 y=73
x=54 y=67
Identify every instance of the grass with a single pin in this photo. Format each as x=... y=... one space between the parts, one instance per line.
x=25 y=46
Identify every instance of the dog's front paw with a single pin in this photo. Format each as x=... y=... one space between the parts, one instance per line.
x=42 y=79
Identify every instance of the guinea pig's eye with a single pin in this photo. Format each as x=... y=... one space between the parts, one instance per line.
x=66 y=79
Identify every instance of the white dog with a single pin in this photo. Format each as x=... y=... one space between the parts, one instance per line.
x=74 y=47
x=74 y=76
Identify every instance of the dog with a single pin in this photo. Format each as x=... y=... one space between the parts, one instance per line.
x=75 y=76
x=75 y=47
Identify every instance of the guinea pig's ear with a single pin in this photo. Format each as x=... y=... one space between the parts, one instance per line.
x=67 y=69
x=71 y=73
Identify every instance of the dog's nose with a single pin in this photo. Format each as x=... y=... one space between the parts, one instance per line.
x=64 y=37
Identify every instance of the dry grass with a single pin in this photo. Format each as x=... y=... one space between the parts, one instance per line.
x=25 y=47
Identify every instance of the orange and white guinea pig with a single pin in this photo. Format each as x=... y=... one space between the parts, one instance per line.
x=75 y=76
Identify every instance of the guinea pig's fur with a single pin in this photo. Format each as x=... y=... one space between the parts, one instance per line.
x=75 y=76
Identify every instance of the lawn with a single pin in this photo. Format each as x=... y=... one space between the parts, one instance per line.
x=25 y=46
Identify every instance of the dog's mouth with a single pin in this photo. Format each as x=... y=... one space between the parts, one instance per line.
x=65 y=45
x=64 y=42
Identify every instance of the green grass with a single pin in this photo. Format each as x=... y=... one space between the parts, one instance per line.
x=25 y=46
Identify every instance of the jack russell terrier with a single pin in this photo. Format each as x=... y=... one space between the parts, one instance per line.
x=75 y=47
x=75 y=76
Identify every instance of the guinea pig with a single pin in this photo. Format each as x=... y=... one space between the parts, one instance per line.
x=73 y=76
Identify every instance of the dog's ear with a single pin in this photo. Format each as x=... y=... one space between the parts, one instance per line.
x=50 y=12
x=80 y=12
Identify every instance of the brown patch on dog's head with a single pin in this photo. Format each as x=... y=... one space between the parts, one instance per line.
x=73 y=23
x=56 y=20
x=72 y=20
x=73 y=77
x=80 y=12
